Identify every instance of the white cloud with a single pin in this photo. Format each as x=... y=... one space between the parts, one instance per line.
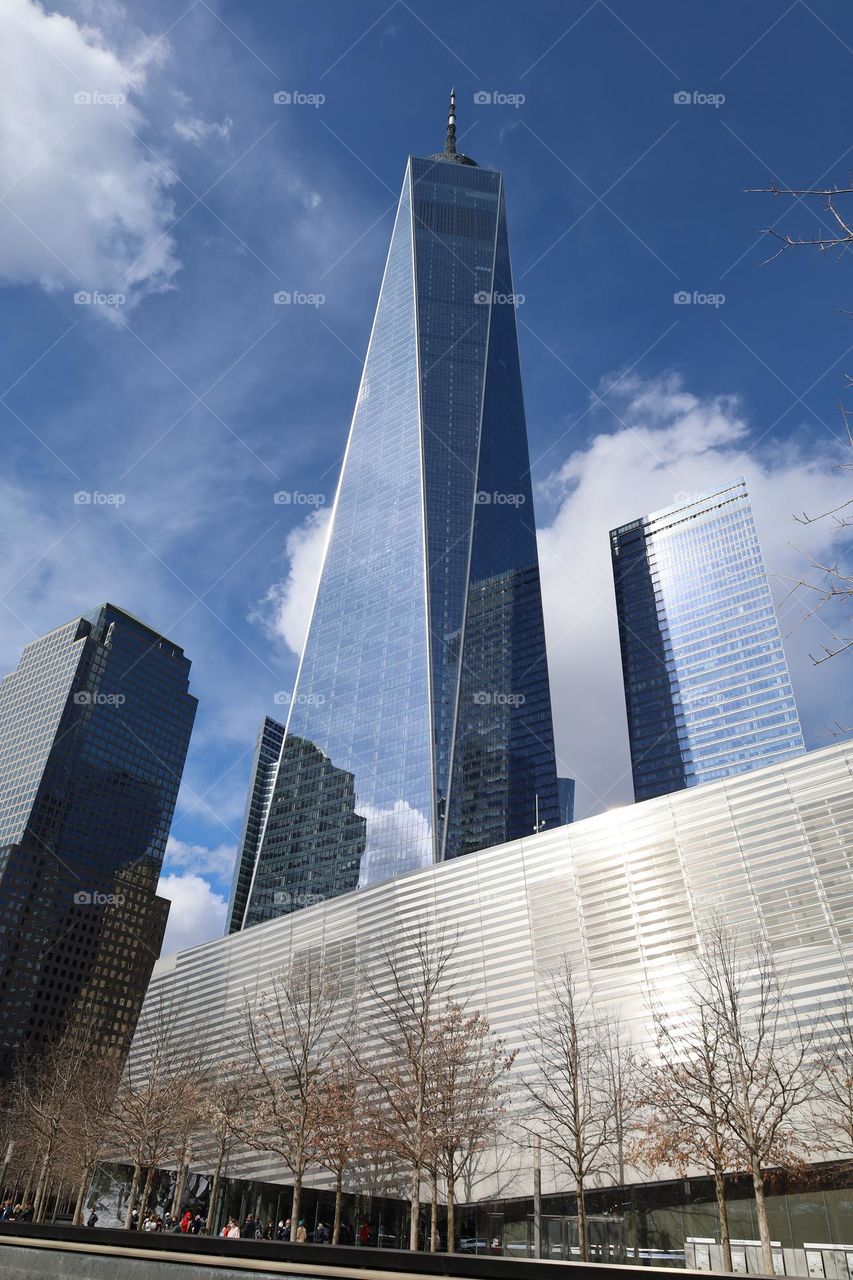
x=86 y=205
x=199 y=858
x=197 y=913
x=285 y=610
x=196 y=130
x=669 y=443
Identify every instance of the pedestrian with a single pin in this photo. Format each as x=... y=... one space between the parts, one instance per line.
x=185 y=1221
x=198 y=1225
x=232 y=1231
x=26 y=1214
x=364 y=1234
x=301 y=1233
x=321 y=1235
x=134 y=1220
x=92 y=1220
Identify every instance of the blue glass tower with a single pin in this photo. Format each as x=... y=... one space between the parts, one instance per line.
x=420 y=726
x=264 y=766
x=707 y=687
x=94 y=729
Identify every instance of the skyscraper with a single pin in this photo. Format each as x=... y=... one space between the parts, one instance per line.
x=422 y=701
x=707 y=687
x=264 y=765
x=94 y=729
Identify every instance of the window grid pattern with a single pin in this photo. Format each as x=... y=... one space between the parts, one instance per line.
x=707 y=688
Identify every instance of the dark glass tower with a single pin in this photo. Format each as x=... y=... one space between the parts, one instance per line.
x=707 y=687
x=94 y=729
x=420 y=726
x=264 y=766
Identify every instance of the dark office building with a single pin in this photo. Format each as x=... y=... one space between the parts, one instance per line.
x=422 y=702
x=566 y=793
x=94 y=729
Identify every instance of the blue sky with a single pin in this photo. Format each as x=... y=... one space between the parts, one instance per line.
x=181 y=193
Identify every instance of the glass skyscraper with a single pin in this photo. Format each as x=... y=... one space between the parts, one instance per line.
x=94 y=729
x=707 y=687
x=264 y=766
x=420 y=726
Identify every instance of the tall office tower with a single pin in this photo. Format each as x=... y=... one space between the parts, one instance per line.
x=94 y=729
x=264 y=765
x=420 y=726
x=566 y=794
x=706 y=681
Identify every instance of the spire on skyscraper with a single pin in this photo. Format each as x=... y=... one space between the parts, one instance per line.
x=450 y=140
x=450 y=153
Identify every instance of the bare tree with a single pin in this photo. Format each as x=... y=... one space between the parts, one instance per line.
x=341 y=1129
x=768 y=1062
x=289 y=1036
x=568 y=1090
x=148 y=1108
x=468 y=1070
x=45 y=1085
x=87 y=1122
x=405 y=1004
x=684 y=1099
x=226 y=1095
x=835 y=1085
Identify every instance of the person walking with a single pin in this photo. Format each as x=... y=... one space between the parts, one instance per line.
x=232 y=1231
x=92 y=1220
x=301 y=1233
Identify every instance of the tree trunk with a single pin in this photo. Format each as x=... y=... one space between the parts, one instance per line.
x=41 y=1188
x=451 y=1213
x=582 y=1245
x=415 y=1208
x=336 y=1227
x=146 y=1192
x=295 y=1208
x=134 y=1192
x=180 y=1175
x=214 y=1192
x=433 y=1211
x=723 y=1214
x=77 y=1219
x=761 y=1214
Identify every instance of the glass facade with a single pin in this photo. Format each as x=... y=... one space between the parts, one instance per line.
x=420 y=725
x=707 y=688
x=264 y=765
x=94 y=729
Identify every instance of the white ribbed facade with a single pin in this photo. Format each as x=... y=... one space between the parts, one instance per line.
x=623 y=894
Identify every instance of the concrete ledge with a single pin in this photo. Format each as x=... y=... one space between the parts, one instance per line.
x=35 y=1252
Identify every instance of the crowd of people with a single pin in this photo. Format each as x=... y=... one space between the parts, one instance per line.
x=252 y=1229
x=189 y=1223
x=10 y=1212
